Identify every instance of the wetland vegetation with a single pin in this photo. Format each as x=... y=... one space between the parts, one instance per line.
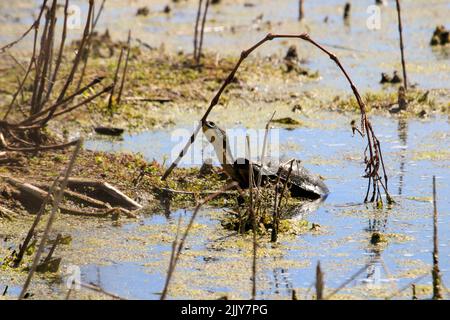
x=98 y=199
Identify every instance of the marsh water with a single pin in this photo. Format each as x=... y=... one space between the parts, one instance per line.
x=413 y=151
x=218 y=262
x=234 y=26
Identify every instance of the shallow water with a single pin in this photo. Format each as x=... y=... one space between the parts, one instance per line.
x=414 y=151
x=366 y=53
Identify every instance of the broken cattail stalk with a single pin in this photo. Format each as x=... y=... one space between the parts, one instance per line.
x=437 y=290
x=373 y=161
x=263 y=152
x=319 y=282
x=400 y=31
x=197 y=20
x=125 y=68
x=301 y=13
x=116 y=76
x=51 y=218
x=78 y=56
x=94 y=21
x=414 y=295
x=347 y=8
x=284 y=188
x=202 y=31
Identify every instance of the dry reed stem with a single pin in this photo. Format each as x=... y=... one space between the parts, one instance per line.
x=301 y=13
x=125 y=68
x=437 y=280
x=263 y=152
x=202 y=31
x=94 y=22
x=400 y=31
x=319 y=282
x=116 y=76
x=252 y=212
x=197 y=20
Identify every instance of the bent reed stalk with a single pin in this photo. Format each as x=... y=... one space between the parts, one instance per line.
x=373 y=160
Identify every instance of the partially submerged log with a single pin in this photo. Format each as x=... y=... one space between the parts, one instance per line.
x=109 y=131
x=118 y=203
x=113 y=195
x=28 y=188
x=79 y=197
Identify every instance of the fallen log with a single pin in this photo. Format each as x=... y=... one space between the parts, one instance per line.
x=39 y=194
x=116 y=197
x=26 y=187
x=78 y=197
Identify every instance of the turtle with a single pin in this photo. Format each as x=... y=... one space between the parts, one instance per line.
x=302 y=183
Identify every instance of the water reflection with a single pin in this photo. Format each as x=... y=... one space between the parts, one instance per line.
x=402 y=129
